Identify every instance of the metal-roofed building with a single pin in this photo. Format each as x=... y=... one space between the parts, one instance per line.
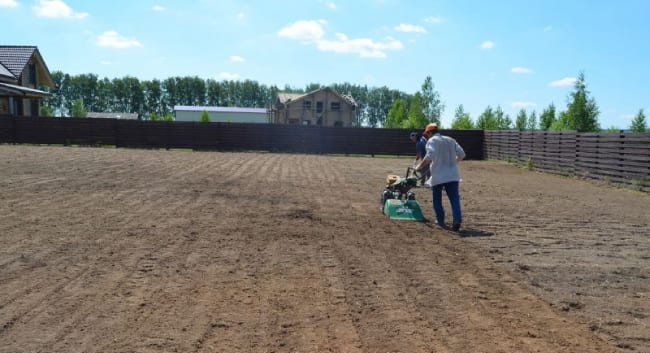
x=22 y=72
x=222 y=114
x=103 y=115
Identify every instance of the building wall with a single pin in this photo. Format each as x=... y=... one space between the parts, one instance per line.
x=318 y=109
x=29 y=78
x=222 y=117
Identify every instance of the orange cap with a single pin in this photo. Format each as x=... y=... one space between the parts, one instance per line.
x=431 y=127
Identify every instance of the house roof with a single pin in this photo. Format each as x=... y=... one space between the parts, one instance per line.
x=14 y=58
x=191 y=108
x=124 y=116
x=20 y=91
x=4 y=72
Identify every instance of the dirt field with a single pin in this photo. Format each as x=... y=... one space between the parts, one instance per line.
x=107 y=250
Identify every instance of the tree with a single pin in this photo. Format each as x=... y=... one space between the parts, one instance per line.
x=547 y=118
x=582 y=111
x=205 y=117
x=415 y=118
x=532 y=121
x=502 y=120
x=78 y=110
x=432 y=106
x=521 y=123
x=380 y=101
x=396 y=114
x=46 y=111
x=639 y=124
x=486 y=121
x=561 y=123
x=462 y=120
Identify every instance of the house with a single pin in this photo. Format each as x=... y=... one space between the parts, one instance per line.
x=322 y=107
x=222 y=114
x=22 y=72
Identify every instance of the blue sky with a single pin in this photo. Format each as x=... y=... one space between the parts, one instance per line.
x=512 y=53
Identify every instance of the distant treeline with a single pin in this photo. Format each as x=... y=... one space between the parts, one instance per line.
x=158 y=97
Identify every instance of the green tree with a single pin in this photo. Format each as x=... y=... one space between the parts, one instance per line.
x=563 y=122
x=639 y=124
x=462 y=120
x=487 y=120
x=397 y=114
x=503 y=121
x=432 y=106
x=532 y=121
x=415 y=118
x=547 y=118
x=205 y=117
x=46 y=111
x=168 y=117
x=582 y=111
x=78 y=110
x=152 y=91
x=521 y=123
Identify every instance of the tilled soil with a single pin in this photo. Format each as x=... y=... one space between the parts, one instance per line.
x=118 y=250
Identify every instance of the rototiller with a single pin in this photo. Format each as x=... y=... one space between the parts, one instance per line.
x=397 y=201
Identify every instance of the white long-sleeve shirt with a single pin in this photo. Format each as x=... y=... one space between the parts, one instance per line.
x=443 y=153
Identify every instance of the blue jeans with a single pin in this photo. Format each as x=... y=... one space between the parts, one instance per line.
x=451 y=188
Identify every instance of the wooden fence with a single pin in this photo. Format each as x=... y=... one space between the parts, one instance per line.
x=222 y=136
x=616 y=157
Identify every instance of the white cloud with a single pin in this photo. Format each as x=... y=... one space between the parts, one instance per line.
x=112 y=39
x=236 y=59
x=521 y=70
x=364 y=47
x=307 y=31
x=565 y=82
x=409 y=28
x=331 y=5
x=548 y=28
x=312 y=32
x=56 y=9
x=158 y=8
x=8 y=3
x=106 y=62
x=523 y=104
x=228 y=76
x=434 y=19
x=487 y=45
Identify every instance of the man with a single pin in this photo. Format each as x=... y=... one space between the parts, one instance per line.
x=420 y=151
x=442 y=155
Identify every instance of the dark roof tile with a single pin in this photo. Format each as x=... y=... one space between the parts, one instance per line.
x=16 y=57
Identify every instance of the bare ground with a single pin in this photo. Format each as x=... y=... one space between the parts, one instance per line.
x=116 y=250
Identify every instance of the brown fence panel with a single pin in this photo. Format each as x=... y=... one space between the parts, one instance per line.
x=224 y=136
x=621 y=158
x=6 y=129
x=85 y=131
x=39 y=130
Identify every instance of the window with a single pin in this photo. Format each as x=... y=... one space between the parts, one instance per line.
x=33 y=107
x=32 y=74
x=338 y=123
x=306 y=105
x=319 y=107
x=335 y=106
x=294 y=121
